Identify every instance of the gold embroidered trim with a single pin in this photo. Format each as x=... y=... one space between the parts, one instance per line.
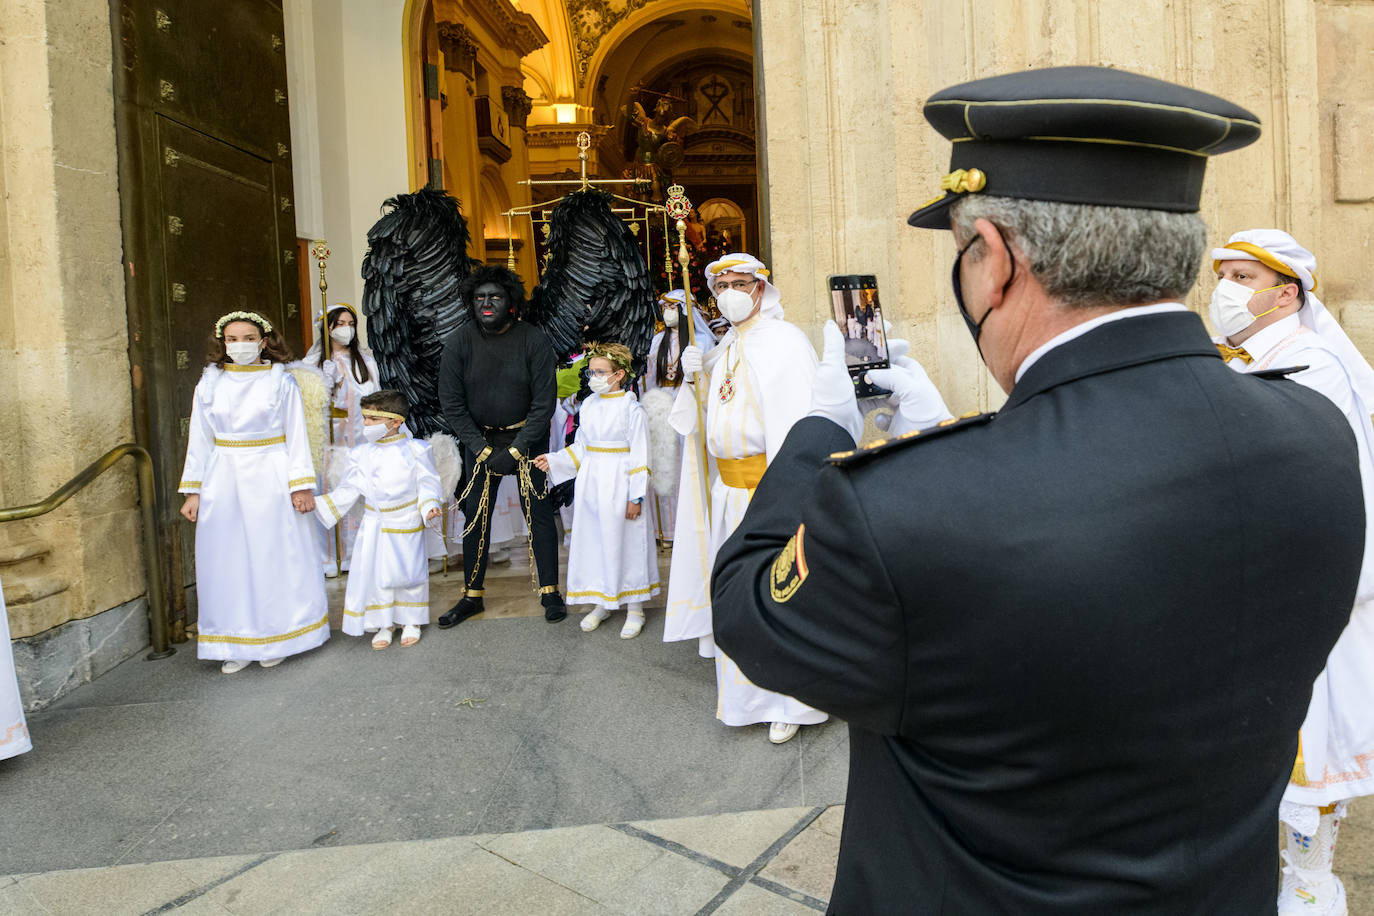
x=250 y=443
x=397 y=437
x=188 y=483
x=383 y=607
x=619 y=597
x=334 y=510
x=265 y=640
x=371 y=508
x=645 y=469
x=577 y=465
x=609 y=451
x=381 y=414
x=235 y=367
x=300 y=482
x=402 y=530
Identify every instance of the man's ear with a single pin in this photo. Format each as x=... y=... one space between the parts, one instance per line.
x=998 y=262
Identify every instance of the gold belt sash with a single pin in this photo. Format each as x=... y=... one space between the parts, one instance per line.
x=742 y=473
x=250 y=443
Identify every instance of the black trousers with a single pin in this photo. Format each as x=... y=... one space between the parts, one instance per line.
x=477 y=541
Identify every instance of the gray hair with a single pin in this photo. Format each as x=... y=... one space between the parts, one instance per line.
x=1086 y=255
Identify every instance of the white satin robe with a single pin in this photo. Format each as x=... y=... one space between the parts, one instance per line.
x=14 y=731
x=612 y=560
x=259 y=582
x=397 y=485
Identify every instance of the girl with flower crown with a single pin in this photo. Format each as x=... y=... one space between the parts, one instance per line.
x=350 y=374
x=611 y=560
x=250 y=482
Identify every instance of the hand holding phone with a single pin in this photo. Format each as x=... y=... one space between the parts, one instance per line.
x=859 y=315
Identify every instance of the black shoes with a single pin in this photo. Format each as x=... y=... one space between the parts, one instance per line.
x=461 y=611
x=554 y=608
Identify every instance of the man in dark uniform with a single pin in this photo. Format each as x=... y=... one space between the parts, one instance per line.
x=1062 y=644
x=497 y=388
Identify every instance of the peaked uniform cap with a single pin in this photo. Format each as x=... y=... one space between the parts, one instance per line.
x=1081 y=135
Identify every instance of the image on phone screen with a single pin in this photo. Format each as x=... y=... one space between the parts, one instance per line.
x=859 y=313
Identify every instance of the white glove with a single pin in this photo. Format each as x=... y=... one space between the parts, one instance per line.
x=332 y=375
x=691 y=360
x=919 y=405
x=832 y=391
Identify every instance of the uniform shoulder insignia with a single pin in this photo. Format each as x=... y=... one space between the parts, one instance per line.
x=1278 y=373
x=880 y=446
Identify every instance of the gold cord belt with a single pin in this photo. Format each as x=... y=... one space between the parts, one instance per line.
x=250 y=443
x=503 y=429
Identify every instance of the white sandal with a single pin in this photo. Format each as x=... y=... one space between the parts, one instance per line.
x=410 y=635
x=634 y=623
x=383 y=638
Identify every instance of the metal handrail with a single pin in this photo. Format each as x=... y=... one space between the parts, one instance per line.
x=158 y=622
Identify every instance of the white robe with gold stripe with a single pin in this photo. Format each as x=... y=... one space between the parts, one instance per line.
x=259 y=582
x=388 y=579
x=611 y=560
x=770 y=365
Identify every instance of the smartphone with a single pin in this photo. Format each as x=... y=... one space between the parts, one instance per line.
x=859 y=313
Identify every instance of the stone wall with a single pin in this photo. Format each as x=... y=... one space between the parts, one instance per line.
x=64 y=364
x=849 y=156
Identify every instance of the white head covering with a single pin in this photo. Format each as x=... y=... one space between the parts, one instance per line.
x=703 y=330
x=740 y=262
x=1280 y=252
x=312 y=355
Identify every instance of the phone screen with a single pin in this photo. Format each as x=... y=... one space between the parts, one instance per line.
x=859 y=313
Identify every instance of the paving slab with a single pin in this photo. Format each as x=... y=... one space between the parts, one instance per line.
x=736 y=841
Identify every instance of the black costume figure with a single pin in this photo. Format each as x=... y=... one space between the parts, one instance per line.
x=497 y=388
x=1060 y=634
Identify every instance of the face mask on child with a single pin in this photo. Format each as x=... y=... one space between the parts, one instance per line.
x=243 y=352
x=375 y=431
x=598 y=384
x=343 y=334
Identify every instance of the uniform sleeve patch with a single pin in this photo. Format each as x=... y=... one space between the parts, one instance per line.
x=789 y=569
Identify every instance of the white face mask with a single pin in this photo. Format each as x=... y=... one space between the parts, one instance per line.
x=375 y=431
x=735 y=305
x=342 y=334
x=598 y=384
x=670 y=317
x=1230 y=307
x=244 y=352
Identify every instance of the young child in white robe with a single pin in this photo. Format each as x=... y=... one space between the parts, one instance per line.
x=394 y=476
x=612 y=559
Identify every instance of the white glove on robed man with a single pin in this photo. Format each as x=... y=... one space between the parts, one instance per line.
x=691 y=359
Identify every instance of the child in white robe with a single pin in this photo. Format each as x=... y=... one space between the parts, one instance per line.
x=249 y=479
x=611 y=560
x=394 y=476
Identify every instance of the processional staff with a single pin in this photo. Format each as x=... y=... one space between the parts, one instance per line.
x=320 y=250
x=679 y=208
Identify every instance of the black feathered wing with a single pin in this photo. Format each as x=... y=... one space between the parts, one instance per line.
x=596 y=280
x=413 y=274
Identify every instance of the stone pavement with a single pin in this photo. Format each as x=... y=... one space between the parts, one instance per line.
x=507 y=766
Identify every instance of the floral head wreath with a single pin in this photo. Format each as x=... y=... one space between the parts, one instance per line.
x=616 y=354
x=253 y=317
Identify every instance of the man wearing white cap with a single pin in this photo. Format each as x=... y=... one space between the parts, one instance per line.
x=1270 y=318
x=758 y=384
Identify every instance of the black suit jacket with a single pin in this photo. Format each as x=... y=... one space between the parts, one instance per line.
x=1074 y=640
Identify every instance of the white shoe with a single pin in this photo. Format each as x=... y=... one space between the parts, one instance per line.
x=594 y=618
x=272 y=662
x=410 y=635
x=1318 y=898
x=782 y=732
x=633 y=624
x=383 y=638
x=232 y=665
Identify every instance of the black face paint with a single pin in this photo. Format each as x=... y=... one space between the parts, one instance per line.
x=975 y=328
x=492 y=309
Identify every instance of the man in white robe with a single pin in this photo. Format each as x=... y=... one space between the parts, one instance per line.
x=757 y=384
x=1269 y=317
